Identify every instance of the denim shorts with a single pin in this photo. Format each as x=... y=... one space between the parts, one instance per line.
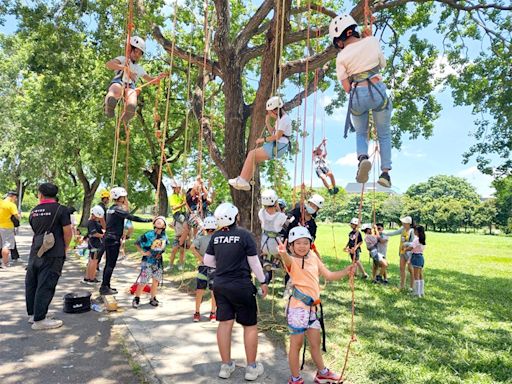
x=120 y=82
x=270 y=149
x=417 y=260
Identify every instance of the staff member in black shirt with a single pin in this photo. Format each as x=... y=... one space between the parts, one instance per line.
x=116 y=215
x=45 y=268
x=232 y=251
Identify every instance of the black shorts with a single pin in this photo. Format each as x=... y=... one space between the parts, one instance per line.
x=236 y=302
x=357 y=255
x=322 y=171
x=94 y=253
x=204 y=277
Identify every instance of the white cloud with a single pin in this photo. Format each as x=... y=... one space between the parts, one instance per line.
x=349 y=160
x=481 y=182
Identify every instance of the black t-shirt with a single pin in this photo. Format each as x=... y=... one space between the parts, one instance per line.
x=94 y=227
x=115 y=221
x=40 y=220
x=231 y=249
x=310 y=224
x=352 y=239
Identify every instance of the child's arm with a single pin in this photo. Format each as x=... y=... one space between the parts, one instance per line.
x=346 y=85
x=270 y=138
x=337 y=275
x=114 y=65
x=144 y=253
x=283 y=253
x=198 y=256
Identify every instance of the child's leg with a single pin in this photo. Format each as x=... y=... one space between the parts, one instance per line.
x=91 y=269
x=361 y=126
x=331 y=176
x=313 y=336
x=374 y=271
x=154 y=287
x=324 y=180
x=173 y=255
x=139 y=289
x=361 y=268
x=383 y=268
x=214 y=303
x=296 y=343
x=131 y=104
x=182 y=255
x=382 y=121
x=199 y=298
x=402 y=272
x=254 y=157
x=409 y=267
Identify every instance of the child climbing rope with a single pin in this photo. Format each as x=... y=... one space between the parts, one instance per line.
x=353 y=247
x=272 y=221
x=152 y=246
x=274 y=146
x=127 y=78
x=204 y=274
x=302 y=309
x=379 y=260
x=95 y=236
x=417 y=260
x=357 y=66
x=321 y=168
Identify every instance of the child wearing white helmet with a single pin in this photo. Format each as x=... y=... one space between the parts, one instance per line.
x=125 y=80
x=275 y=145
x=151 y=245
x=379 y=260
x=302 y=314
x=205 y=274
x=95 y=236
x=321 y=168
x=353 y=247
x=358 y=66
x=272 y=221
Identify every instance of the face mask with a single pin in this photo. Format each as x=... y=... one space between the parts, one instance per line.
x=310 y=210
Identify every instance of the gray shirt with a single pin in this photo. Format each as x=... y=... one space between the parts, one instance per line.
x=382 y=245
x=201 y=243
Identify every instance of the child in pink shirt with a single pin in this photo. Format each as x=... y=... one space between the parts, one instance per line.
x=418 y=261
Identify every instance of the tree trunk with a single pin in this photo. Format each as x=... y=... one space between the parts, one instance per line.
x=89 y=192
x=86 y=207
x=163 y=201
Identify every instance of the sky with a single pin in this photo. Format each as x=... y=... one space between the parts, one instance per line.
x=415 y=162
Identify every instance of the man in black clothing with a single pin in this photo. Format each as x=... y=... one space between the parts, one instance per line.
x=232 y=251
x=43 y=271
x=116 y=215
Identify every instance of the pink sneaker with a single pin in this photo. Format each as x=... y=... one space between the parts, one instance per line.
x=290 y=381
x=328 y=378
x=213 y=317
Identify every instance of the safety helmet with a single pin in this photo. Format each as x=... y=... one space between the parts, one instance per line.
x=105 y=194
x=138 y=42
x=268 y=198
x=354 y=221
x=317 y=200
x=210 y=222
x=339 y=24
x=366 y=226
x=274 y=102
x=406 y=220
x=299 y=233
x=98 y=211
x=117 y=192
x=175 y=184
x=281 y=203
x=162 y=218
x=226 y=214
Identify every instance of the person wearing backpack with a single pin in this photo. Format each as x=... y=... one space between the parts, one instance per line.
x=51 y=224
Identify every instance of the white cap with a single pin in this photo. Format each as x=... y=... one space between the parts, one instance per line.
x=406 y=220
x=117 y=192
x=226 y=214
x=339 y=24
x=354 y=221
x=175 y=184
x=366 y=226
x=210 y=222
x=269 y=197
x=98 y=211
x=138 y=42
x=274 y=102
x=317 y=200
x=162 y=219
x=299 y=233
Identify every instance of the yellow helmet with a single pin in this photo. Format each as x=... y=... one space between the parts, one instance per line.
x=105 y=194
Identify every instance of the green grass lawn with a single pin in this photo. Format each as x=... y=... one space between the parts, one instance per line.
x=461 y=332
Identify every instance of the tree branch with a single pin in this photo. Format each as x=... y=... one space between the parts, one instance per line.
x=312 y=62
x=251 y=28
x=297 y=99
x=221 y=39
x=451 y=3
x=211 y=66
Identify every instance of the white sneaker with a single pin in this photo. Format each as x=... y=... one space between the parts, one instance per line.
x=49 y=315
x=226 y=370
x=363 y=171
x=240 y=184
x=252 y=374
x=47 y=324
x=180 y=267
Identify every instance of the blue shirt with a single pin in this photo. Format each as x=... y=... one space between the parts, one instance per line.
x=154 y=243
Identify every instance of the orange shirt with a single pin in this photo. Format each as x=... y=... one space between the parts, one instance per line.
x=305 y=280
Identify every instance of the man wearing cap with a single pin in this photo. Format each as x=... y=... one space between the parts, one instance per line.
x=8 y=209
x=406 y=238
x=46 y=261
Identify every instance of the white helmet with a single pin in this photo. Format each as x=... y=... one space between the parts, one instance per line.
x=268 y=198
x=210 y=222
x=226 y=214
x=317 y=200
x=366 y=226
x=354 y=221
x=339 y=24
x=98 y=211
x=138 y=42
x=299 y=233
x=274 y=102
x=117 y=192
x=162 y=218
x=175 y=184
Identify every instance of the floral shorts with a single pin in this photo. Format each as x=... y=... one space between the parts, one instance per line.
x=149 y=272
x=300 y=320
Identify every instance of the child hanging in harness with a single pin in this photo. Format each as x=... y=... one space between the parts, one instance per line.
x=305 y=268
x=357 y=66
x=126 y=79
x=274 y=146
x=379 y=260
x=272 y=221
x=321 y=168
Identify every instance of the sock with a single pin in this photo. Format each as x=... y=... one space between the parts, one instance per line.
x=422 y=287
x=324 y=371
x=253 y=365
x=416 y=290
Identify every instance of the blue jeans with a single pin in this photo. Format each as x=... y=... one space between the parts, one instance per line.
x=365 y=100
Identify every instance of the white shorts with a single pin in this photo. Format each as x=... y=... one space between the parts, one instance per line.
x=7 y=238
